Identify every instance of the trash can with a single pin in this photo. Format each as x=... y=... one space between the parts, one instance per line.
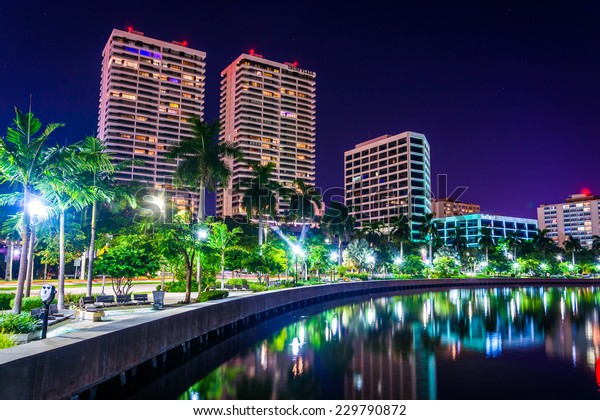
x=159 y=298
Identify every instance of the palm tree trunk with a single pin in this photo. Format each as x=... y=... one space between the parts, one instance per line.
x=23 y=261
x=222 y=270
x=201 y=201
x=9 y=262
x=260 y=229
x=90 y=273
x=61 y=261
x=487 y=260
x=188 y=279
x=401 y=251
x=83 y=264
x=30 y=262
x=573 y=257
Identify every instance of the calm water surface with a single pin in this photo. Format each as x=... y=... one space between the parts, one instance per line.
x=525 y=343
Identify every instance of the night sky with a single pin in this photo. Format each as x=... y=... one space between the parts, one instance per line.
x=507 y=93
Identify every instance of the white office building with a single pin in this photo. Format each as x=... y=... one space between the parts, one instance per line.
x=578 y=216
x=268 y=110
x=389 y=176
x=149 y=90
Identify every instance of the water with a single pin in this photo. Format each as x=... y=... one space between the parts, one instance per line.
x=525 y=343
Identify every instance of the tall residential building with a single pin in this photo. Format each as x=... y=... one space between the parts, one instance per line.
x=268 y=111
x=149 y=91
x=389 y=176
x=472 y=224
x=578 y=216
x=445 y=207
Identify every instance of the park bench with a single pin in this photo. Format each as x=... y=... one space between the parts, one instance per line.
x=86 y=301
x=54 y=315
x=104 y=301
x=140 y=298
x=124 y=300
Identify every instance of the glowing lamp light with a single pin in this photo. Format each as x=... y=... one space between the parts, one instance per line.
x=130 y=29
x=184 y=43
x=295 y=64
x=297 y=250
x=251 y=51
x=397 y=260
x=543 y=266
x=370 y=259
x=37 y=208
x=202 y=234
x=333 y=256
x=586 y=191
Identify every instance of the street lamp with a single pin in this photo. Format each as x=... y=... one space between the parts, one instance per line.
x=333 y=256
x=371 y=261
x=299 y=253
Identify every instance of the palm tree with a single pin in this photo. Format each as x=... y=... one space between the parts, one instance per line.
x=60 y=186
x=572 y=245
x=99 y=179
x=460 y=242
x=337 y=222
x=429 y=232
x=513 y=241
x=260 y=193
x=401 y=233
x=542 y=242
x=22 y=156
x=595 y=243
x=486 y=241
x=222 y=240
x=372 y=231
x=304 y=200
x=201 y=161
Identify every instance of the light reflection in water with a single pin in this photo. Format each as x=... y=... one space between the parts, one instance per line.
x=426 y=346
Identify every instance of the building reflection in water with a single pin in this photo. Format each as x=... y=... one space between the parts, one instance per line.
x=390 y=348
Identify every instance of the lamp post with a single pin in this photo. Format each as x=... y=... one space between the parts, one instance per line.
x=371 y=261
x=298 y=252
x=333 y=257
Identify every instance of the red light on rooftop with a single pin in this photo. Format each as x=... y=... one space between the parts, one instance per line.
x=295 y=63
x=184 y=43
x=130 y=29
x=586 y=191
x=251 y=51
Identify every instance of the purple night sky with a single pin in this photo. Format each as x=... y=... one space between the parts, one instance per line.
x=507 y=92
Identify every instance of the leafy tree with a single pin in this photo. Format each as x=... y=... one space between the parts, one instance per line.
x=459 y=242
x=413 y=265
x=265 y=261
x=444 y=266
x=201 y=160
x=513 y=241
x=23 y=155
x=372 y=232
x=318 y=258
x=221 y=240
x=358 y=252
x=128 y=256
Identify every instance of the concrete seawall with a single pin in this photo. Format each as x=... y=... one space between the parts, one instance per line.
x=65 y=366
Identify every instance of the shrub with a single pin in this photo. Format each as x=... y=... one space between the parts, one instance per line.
x=29 y=303
x=255 y=287
x=6 y=341
x=237 y=282
x=22 y=323
x=179 y=286
x=74 y=298
x=360 y=276
x=5 y=299
x=213 y=295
